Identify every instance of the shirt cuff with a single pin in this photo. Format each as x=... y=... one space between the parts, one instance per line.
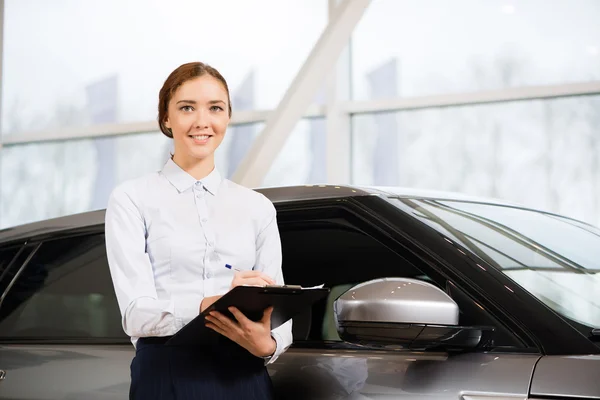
x=186 y=309
x=278 y=349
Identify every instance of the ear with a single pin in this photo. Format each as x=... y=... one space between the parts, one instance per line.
x=167 y=123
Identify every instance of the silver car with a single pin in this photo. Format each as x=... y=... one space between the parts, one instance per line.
x=433 y=296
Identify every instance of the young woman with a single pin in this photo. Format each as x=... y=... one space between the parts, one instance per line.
x=170 y=236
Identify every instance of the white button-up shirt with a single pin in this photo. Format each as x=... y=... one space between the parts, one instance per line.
x=168 y=239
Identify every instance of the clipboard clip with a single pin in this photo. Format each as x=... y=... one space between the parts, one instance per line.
x=284 y=286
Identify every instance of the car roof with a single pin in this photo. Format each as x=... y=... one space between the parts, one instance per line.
x=315 y=192
x=277 y=195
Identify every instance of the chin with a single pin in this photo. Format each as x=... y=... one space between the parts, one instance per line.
x=201 y=154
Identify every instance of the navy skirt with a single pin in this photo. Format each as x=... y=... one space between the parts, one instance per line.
x=224 y=371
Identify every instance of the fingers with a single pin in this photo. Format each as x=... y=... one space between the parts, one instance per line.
x=239 y=316
x=215 y=328
x=241 y=321
x=268 y=279
x=254 y=282
x=218 y=319
x=223 y=325
x=249 y=282
x=255 y=274
x=253 y=336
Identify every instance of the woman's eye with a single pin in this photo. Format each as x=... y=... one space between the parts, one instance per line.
x=216 y=108
x=187 y=108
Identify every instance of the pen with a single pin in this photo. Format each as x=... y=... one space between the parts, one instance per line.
x=231 y=268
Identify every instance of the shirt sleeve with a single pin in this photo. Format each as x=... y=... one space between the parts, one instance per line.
x=268 y=260
x=143 y=314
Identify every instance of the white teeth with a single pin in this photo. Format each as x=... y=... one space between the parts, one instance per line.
x=201 y=137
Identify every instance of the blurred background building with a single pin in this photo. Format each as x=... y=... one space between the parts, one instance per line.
x=493 y=98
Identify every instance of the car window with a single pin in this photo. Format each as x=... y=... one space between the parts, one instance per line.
x=64 y=292
x=554 y=258
x=340 y=257
x=332 y=254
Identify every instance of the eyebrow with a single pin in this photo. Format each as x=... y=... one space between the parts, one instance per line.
x=194 y=101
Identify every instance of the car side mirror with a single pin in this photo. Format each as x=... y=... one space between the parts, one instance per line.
x=405 y=314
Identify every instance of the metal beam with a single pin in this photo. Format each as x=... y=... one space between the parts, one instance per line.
x=339 y=135
x=338 y=147
x=483 y=97
x=74 y=133
x=2 y=7
x=300 y=94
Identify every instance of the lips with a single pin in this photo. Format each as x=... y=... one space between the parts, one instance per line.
x=200 y=139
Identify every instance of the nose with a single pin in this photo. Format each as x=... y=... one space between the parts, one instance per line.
x=202 y=118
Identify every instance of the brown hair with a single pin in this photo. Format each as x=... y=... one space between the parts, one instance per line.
x=177 y=78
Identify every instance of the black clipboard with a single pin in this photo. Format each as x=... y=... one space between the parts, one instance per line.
x=287 y=301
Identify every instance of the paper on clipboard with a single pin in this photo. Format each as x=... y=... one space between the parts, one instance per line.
x=315 y=287
x=297 y=287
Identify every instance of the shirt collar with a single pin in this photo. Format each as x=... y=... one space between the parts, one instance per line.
x=183 y=181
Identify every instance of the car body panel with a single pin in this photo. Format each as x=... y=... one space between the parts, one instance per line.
x=575 y=376
x=57 y=372
x=332 y=373
x=399 y=375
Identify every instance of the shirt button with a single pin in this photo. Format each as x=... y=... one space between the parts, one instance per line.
x=198 y=183
x=204 y=219
x=209 y=274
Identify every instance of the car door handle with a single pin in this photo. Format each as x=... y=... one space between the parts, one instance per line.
x=2 y=375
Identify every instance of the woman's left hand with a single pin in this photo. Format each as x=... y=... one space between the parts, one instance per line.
x=253 y=336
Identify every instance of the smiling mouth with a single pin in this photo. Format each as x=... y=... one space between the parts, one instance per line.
x=200 y=137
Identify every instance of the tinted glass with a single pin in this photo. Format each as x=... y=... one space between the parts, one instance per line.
x=64 y=292
x=554 y=258
x=331 y=254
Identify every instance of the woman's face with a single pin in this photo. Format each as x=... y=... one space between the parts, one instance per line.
x=198 y=117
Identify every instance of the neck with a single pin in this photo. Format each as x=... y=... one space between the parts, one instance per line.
x=197 y=168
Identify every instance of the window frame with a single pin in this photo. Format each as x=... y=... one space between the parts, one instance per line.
x=34 y=247
x=22 y=247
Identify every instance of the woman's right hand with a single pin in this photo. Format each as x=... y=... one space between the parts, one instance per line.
x=251 y=278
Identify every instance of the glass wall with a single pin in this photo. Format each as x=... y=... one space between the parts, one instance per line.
x=540 y=153
x=72 y=63
x=47 y=180
x=421 y=47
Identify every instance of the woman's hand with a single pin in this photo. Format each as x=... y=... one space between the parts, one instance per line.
x=251 y=278
x=253 y=336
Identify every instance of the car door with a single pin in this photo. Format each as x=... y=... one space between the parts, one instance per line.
x=60 y=326
x=337 y=244
x=567 y=377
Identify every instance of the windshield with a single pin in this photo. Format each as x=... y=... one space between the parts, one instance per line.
x=556 y=259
